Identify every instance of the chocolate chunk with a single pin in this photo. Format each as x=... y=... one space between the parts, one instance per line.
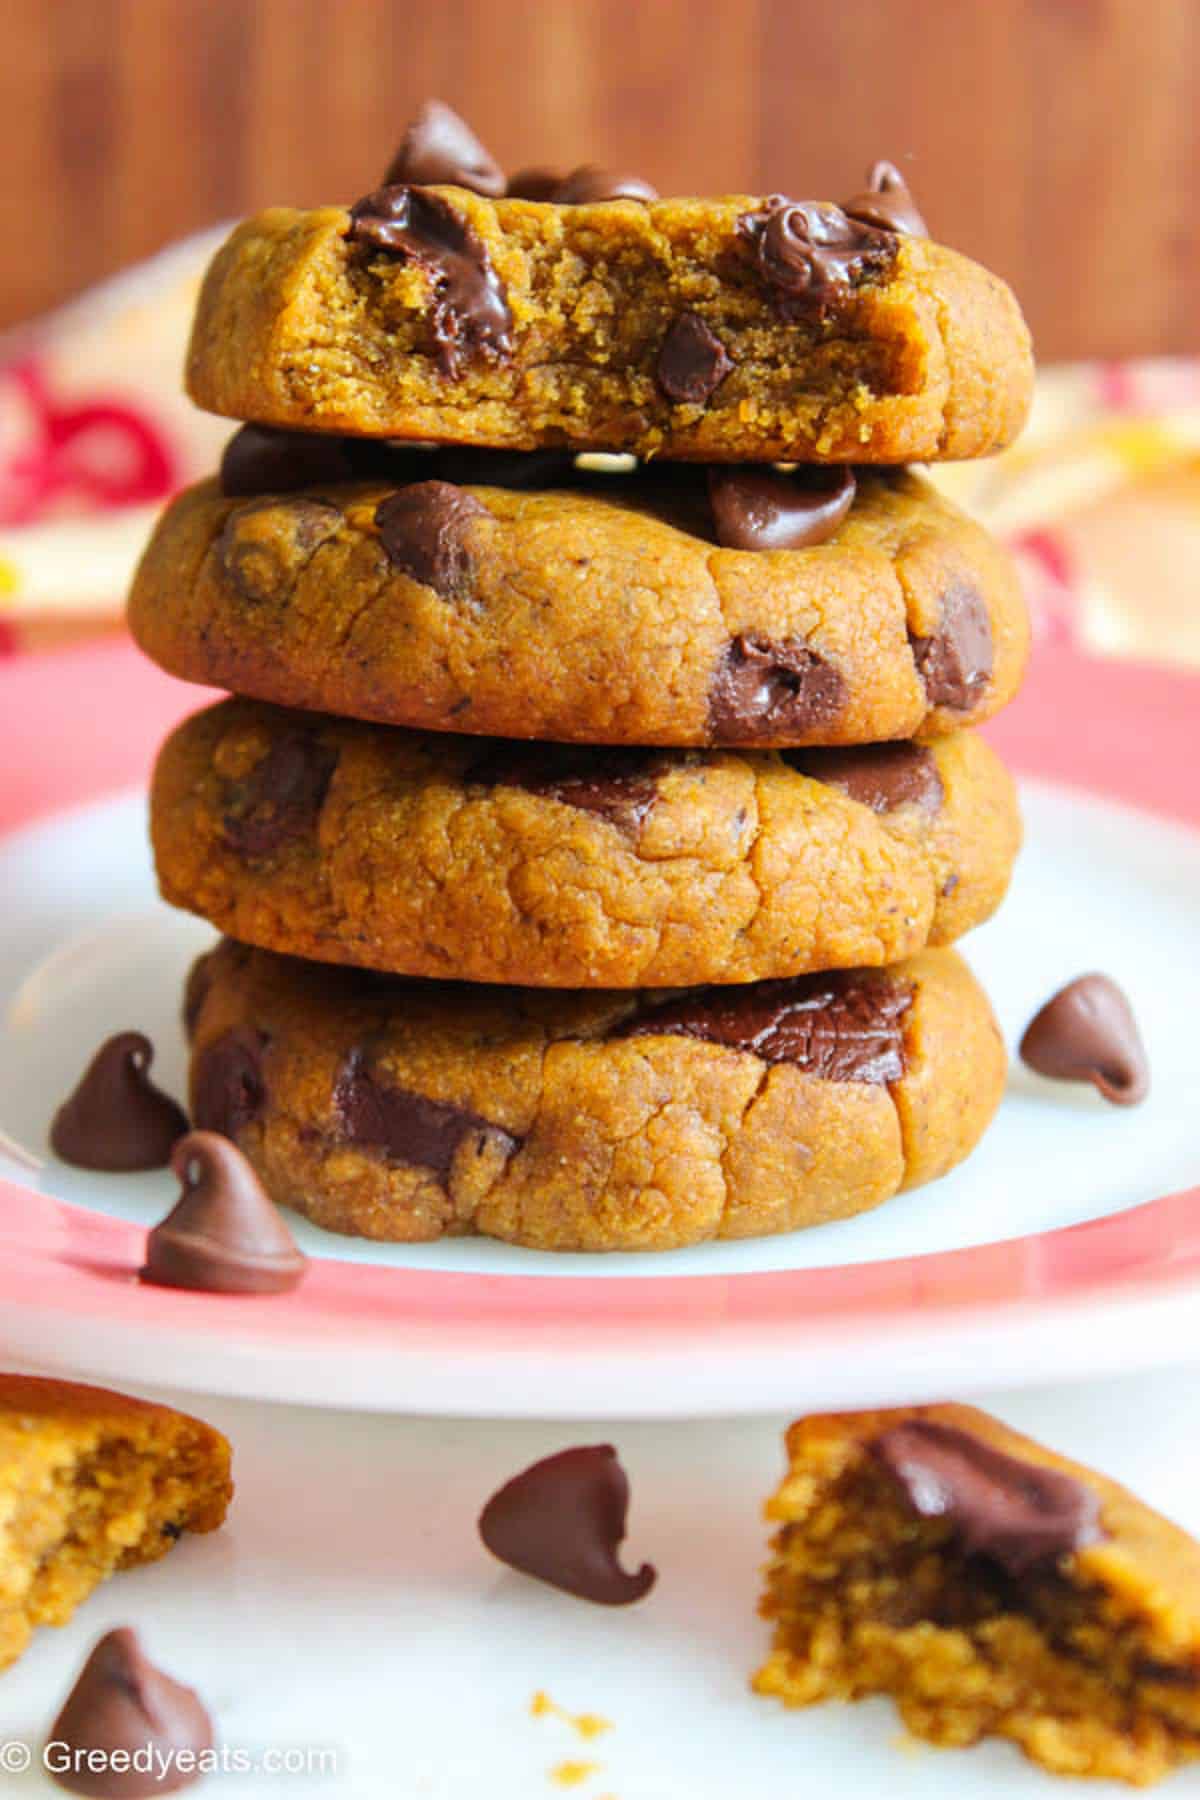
x=534 y=184
x=224 y=1235
x=116 y=1119
x=470 y=310
x=264 y=546
x=881 y=776
x=812 y=256
x=589 y=183
x=1087 y=1032
x=148 y=1733
x=887 y=202
x=281 y=798
x=422 y=528
x=617 y=783
x=1017 y=1514
x=692 y=362
x=845 y=1026
x=228 y=1090
x=563 y=1521
x=765 y=509
x=764 y=691
x=261 y=460
x=956 y=665
x=407 y=1127
x=438 y=148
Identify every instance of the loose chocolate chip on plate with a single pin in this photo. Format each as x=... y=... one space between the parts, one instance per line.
x=117 y=1120
x=563 y=1521
x=224 y=1235
x=228 y=1089
x=617 y=783
x=887 y=202
x=265 y=545
x=281 y=798
x=1087 y=1032
x=120 y=1706
x=811 y=255
x=767 y=509
x=423 y=530
x=440 y=148
x=692 y=362
x=956 y=663
x=881 y=776
x=764 y=691
x=1015 y=1513
x=376 y=1114
x=590 y=183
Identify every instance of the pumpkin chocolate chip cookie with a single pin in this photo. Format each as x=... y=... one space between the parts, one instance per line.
x=565 y=866
x=725 y=329
x=521 y=596
x=408 y=1110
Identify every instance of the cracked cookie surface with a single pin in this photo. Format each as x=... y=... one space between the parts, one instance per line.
x=566 y=866
x=409 y=1110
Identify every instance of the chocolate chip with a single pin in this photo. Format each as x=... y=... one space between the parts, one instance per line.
x=563 y=1521
x=374 y=1114
x=692 y=362
x=887 y=202
x=589 y=183
x=470 y=310
x=881 y=776
x=228 y=1090
x=764 y=691
x=956 y=664
x=423 y=530
x=438 y=148
x=264 y=546
x=1015 y=1513
x=846 y=1026
x=468 y=466
x=281 y=798
x=224 y=1235
x=812 y=256
x=120 y=1706
x=534 y=184
x=116 y=1119
x=765 y=509
x=1087 y=1032
x=260 y=460
x=616 y=783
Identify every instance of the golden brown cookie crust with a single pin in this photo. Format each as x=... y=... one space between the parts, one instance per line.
x=555 y=1126
x=582 y=618
x=434 y=855
x=298 y=326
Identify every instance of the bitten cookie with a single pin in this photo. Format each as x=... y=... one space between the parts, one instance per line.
x=621 y=609
x=722 y=329
x=559 y=866
x=409 y=1110
x=92 y=1482
x=989 y=1586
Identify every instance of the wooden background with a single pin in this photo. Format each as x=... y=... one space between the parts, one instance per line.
x=1057 y=140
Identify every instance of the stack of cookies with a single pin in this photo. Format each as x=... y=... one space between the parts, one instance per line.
x=600 y=795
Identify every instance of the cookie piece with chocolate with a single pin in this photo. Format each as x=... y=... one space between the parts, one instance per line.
x=409 y=1110
x=468 y=592
x=565 y=865
x=724 y=329
x=990 y=1586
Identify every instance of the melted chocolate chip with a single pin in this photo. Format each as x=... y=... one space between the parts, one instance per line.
x=265 y=545
x=846 y=1026
x=228 y=1090
x=224 y=1235
x=422 y=528
x=534 y=184
x=887 y=202
x=122 y=1705
x=692 y=362
x=261 y=460
x=881 y=776
x=470 y=310
x=589 y=183
x=617 y=783
x=116 y=1119
x=812 y=256
x=563 y=1521
x=764 y=691
x=956 y=664
x=765 y=509
x=1087 y=1032
x=407 y=1127
x=440 y=148
x=1015 y=1513
x=281 y=798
